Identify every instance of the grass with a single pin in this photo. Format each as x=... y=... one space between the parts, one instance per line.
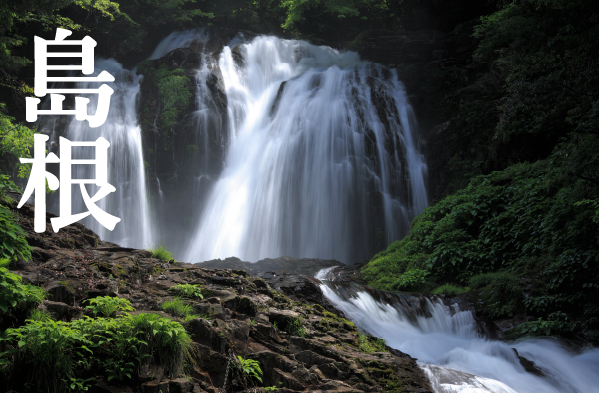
x=36 y=314
x=449 y=289
x=161 y=252
x=179 y=308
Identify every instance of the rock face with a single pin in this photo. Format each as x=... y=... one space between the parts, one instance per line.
x=301 y=341
x=184 y=149
x=306 y=266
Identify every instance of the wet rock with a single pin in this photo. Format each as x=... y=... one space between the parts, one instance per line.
x=238 y=314
x=104 y=388
x=180 y=385
x=529 y=365
x=300 y=288
x=155 y=387
x=57 y=308
x=306 y=266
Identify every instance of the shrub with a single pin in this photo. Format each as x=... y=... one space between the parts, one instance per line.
x=532 y=219
x=501 y=292
x=14 y=294
x=556 y=323
x=13 y=244
x=108 y=306
x=169 y=344
x=161 y=252
x=411 y=280
x=45 y=352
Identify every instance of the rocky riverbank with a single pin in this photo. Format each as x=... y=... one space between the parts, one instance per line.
x=282 y=321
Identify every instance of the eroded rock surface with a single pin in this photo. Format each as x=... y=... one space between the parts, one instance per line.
x=305 y=266
x=301 y=341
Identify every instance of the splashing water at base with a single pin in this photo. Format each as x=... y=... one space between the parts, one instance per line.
x=454 y=356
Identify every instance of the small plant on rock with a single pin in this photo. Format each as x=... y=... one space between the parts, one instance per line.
x=295 y=326
x=188 y=290
x=178 y=308
x=249 y=368
x=161 y=252
x=108 y=306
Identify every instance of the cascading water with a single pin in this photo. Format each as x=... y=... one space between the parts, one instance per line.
x=126 y=163
x=453 y=355
x=323 y=157
x=126 y=166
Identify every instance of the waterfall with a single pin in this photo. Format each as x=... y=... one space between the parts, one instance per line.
x=132 y=201
x=322 y=159
x=125 y=161
x=453 y=355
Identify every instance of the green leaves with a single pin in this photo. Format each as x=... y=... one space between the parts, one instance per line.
x=249 y=368
x=529 y=219
x=108 y=306
x=13 y=293
x=53 y=353
x=188 y=290
x=410 y=279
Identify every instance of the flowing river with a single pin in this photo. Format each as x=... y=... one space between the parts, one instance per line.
x=451 y=351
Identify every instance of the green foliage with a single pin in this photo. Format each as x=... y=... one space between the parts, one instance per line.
x=295 y=326
x=108 y=306
x=525 y=220
x=78 y=385
x=36 y=314
x=178 y=308
x=188 y=290
x=410 y=279
x=46 y=352
x=556 y=323
x=14 y=294
x=51 y=355
x=173 y=91
x=249 y=368
x=594 y=204
x=501 y=293
x=161 y=252
x=271 y=389
x=546 y=49
x=15 y=139
x=449 y=289
x=169 y=118
x=296 y=9
x=7 y=185
x=13 y=243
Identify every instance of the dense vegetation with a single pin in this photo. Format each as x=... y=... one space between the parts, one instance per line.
x=527 y=235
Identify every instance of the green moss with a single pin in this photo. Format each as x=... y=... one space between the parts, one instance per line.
x=68 y=286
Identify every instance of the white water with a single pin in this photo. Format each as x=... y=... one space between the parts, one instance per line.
x=126 y=166
x=125 y=158
x=457 y=359
x=319 y=173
